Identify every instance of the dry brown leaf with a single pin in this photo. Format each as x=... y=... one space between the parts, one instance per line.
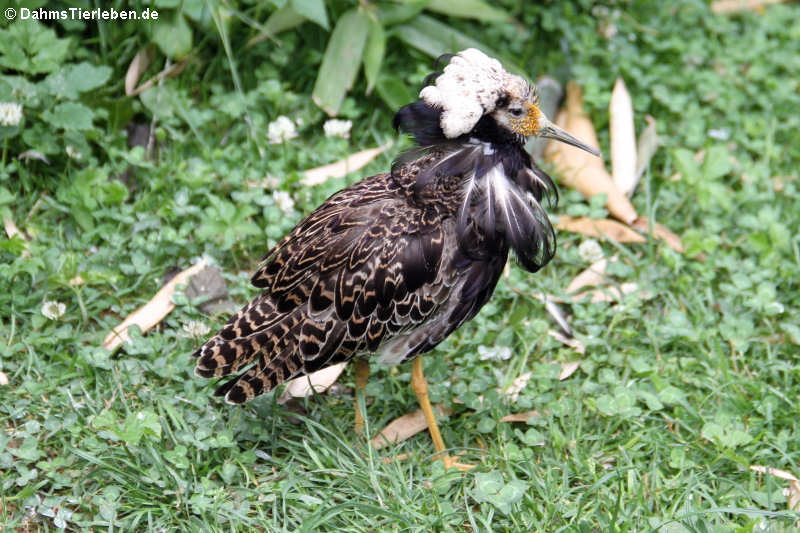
x=572 y=342
x=339 y=169
x=731 y=6
x=623 y=138
x=398 y=457
x=646 y=146
x=594 y=275
x=513 y=390
x=139 y=64
x=579 y=169
x=405 y=427
x=316 y=382
x=520 y=417
x=168 y=72
x=153 y=311
x=602 y=228
x=12 y=229
x=3 y=379
x=33 y=154
x=542 y=297
x=507 y=270
x=792 y=493
x=779 y=182
x=608 y=294
x=660 y=232
x=783 y=474
x=567 y=369
x=608 y=463
x=555 y=311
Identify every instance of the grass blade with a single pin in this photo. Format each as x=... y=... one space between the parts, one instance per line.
x=373 y=53
x=391 y=14
x=435 y=38
x=475 y=9
x=313 y=10
x=283 y=19
x=394 y=92
x=341 y=61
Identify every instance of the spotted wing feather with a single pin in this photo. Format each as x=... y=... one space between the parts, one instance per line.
x=362 y=269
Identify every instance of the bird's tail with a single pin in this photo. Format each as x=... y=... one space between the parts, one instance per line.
x=254 y=336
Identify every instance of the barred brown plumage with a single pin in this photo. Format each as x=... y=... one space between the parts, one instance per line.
x=396 y=262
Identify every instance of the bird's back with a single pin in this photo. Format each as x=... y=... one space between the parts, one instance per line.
x=376 y=269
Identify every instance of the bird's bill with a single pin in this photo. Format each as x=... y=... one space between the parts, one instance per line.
x=551 y=131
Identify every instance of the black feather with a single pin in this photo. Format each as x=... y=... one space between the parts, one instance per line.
x=422 y=122
x=412 y=259
x=430 y=79
x=534 y=180
x=444 y=58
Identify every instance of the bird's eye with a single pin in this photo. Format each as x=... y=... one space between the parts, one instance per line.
x=516 y=112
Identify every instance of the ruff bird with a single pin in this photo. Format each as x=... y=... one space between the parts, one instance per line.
x=390 y=266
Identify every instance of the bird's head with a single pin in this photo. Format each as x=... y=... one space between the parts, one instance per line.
x=474 y=86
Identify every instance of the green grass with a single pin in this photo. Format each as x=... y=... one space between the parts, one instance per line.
x=676 y=396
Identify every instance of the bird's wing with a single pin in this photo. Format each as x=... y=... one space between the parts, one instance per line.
x=361 y=269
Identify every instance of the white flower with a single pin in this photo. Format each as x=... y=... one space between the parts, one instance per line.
x=721 y=134
x=498 y=353
x=195 y=328
x=607 y=29
x=10 y=113
x=205 y=258
x=281 y=130
x=774 y=308
x=590 y=251
x=73 y=153
x=337 y=128
x=284 y=201
x=53 y=310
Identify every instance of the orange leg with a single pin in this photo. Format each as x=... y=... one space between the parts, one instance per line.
x=420 y=387
x=362 y=374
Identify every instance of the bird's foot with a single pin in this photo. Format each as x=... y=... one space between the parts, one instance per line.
x=451 y=462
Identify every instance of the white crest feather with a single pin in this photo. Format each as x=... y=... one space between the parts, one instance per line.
x=468 y=89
